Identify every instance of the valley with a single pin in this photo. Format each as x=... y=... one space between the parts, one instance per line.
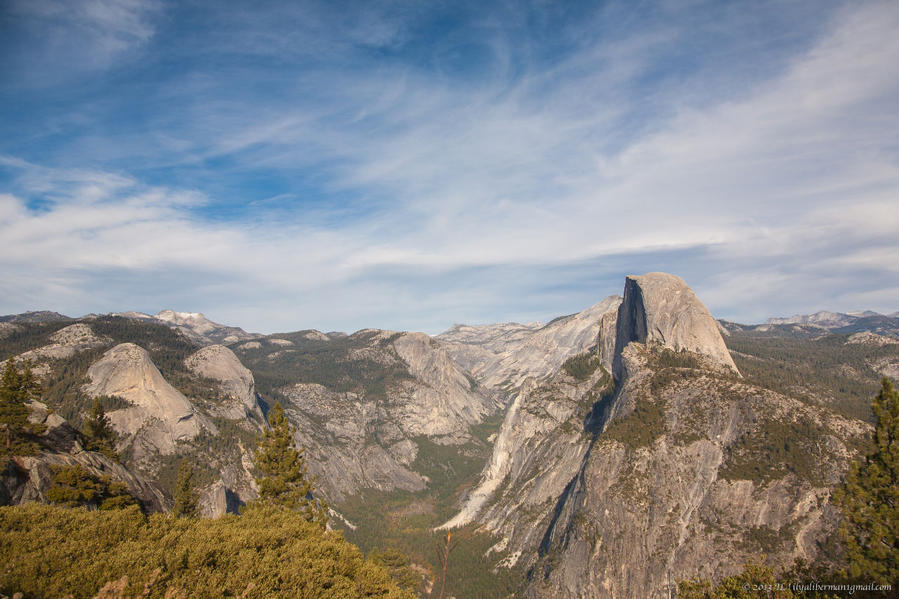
x=602 y=454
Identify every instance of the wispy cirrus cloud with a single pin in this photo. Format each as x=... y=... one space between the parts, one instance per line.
x=410 y=169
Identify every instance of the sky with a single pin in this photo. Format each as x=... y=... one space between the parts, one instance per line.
x=410 y=165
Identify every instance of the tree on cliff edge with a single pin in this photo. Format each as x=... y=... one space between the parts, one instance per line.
x=870 y=499
x=283 y=479
x=16 y=390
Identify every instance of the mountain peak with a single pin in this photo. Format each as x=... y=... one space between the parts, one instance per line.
x=661 y=308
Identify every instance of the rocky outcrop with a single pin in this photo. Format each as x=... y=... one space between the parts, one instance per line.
x=538 y=450
x=217 y=500
x=680 y=478
x=27 y=478
x=352 y=442
x=659 y=308
x=439 y=401
x=681 y=482
x=64 y=343
x=219 y=363
x=503 y=356
x=159 y=415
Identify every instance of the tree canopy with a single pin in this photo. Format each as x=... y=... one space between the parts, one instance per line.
x=98 y=433
x=186 y=498
x=16 y=389
x=283 y=478
x=869 y=498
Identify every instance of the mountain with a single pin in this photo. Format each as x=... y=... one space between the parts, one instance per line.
x=852 y=322
x=607 y=486
x=39 y=316
x=593 y=456
x=692 y=470
x=166 y=396
x=503 y=356
x=196 y=326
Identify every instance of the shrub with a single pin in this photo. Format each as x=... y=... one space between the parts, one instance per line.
x=50 y=551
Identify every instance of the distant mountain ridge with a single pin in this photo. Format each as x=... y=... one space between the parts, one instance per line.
x=195 y=325
x=844 y=322
x=36 y=316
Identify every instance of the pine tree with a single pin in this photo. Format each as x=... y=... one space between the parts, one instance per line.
x=16 y=389
x=870 y=499
x=98 y=432
x=186 y=498
x=75 y=486
x=283 y=476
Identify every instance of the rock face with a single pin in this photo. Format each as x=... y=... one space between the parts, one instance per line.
x=159 y=415
x=660 y=308
x=28 y=478
x=369 y=436
x=538 y=450
x=441 y=402
x=65 y=343
x=219 y=363
x=503 y=356
x=602 y=488
x=678 y=478
x=679 y=482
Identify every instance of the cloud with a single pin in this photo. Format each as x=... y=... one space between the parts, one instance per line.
x=417 y=192
x=50 y=41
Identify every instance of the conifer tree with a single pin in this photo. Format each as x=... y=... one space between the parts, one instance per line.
x=16 y=388
x=75 y=486
x=283 y=479
x=98 y=432
x=870 y=499
x=186 y=497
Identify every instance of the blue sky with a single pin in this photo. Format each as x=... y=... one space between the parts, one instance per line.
x=409 y=165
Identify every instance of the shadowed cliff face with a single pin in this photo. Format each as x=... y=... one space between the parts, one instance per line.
x=659 y=308
x=28 y=478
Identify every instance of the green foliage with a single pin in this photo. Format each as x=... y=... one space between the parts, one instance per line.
x=186 y=497
x=869 y=498
x=74 y=486
x=774 y=448
x=341 y=364
x=642 y=426
x=50 y=552
x=824 y=369
x=581 y=366
x=758 y=580
x=754 y=581
x=27 y=336
x=405 y=521
x=664 y=357
x=283 y=476
x=98 y=433
x=449 y=468
x=399 y=567
x=16 y=389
